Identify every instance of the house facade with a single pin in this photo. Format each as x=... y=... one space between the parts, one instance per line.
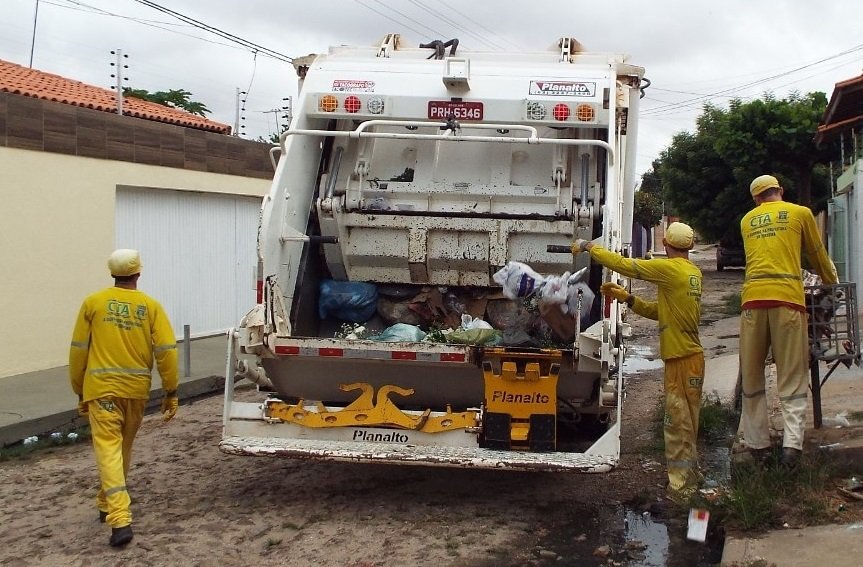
x=842 y=126
x=77 y=180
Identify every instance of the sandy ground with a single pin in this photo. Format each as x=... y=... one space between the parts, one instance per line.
x=193 y=505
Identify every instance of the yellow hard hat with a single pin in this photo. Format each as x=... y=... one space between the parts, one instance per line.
x=762 y=183
x=124 y=262
x=680 y=235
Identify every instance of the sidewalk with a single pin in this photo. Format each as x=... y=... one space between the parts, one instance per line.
x=37 y=403
x=837 y=545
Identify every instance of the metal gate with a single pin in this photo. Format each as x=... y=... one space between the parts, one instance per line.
x=198 y=252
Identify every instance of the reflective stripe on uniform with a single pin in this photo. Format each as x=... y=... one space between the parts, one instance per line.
x=165 y=347
x=115 y=490
x=754 y=394
x=136 y=371
x=773 y=277
x=680 y=464
x=78 y=344
x=793 y=397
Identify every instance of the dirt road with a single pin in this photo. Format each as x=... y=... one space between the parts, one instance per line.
x=196 y=506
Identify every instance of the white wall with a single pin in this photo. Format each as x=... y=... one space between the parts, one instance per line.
x=56 y=233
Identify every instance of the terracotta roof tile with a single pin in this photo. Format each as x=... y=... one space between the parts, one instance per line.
x=31 y=82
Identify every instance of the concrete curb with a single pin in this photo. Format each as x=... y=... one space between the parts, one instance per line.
x=191 y=389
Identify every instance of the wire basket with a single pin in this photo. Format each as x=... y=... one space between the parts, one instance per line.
x=833 y=325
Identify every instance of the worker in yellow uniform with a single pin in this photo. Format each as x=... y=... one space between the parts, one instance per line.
x=118 y=333
x=678 y=311
x=775 y=233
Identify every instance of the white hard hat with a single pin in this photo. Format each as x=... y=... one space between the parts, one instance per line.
x=124 y=262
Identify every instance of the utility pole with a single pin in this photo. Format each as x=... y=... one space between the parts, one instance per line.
x=237 y=108
x=120 y=78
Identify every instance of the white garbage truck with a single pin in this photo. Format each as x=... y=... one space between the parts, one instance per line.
x=409 y=178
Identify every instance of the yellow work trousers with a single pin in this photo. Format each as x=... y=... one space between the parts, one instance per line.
x=782 y=330
x=684 y=378
x=114 y=422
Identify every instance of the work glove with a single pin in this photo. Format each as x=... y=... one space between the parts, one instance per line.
x=579 y=245
x=169 y=406
x=616 y=291
x=82 y=406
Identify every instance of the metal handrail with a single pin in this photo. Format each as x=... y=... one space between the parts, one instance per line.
x=447 y=134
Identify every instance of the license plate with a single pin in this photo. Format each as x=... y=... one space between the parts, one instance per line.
x=446 y=109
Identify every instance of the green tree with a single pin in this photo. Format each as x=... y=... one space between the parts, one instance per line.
x=705 y=175
x=175 y=98
x=647 y=211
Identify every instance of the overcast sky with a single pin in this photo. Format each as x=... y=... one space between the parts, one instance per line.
x=693 y=51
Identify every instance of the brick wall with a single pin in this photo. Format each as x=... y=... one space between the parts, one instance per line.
x=41 y=125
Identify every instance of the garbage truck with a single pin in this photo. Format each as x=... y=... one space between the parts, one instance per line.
x=412 y=180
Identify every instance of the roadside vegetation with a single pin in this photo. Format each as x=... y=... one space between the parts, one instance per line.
x=45 y=443
x=763 y=496
x=766 y=496
x=731 y=304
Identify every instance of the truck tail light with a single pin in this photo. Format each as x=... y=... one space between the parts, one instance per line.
x=585 y=113
x=328 y=103
x=560 y=112
x=352 y=104
x=535 y=110
x=375 y=105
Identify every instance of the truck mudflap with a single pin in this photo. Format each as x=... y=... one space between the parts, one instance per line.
x=599 y=459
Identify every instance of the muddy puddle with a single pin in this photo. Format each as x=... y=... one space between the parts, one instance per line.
x=639 y=359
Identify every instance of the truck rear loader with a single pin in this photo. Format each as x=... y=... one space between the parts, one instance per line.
x=422 y=172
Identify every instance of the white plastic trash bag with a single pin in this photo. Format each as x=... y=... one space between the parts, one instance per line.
x=518 y=280
x=468 y=322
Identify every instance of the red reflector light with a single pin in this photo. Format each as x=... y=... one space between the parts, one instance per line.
x=607 y=309
x=403 y=355
x=259 y=291
x=331 y=352
x=451 y=357
x=352 y=104
x=560 y=111
x=287 y=350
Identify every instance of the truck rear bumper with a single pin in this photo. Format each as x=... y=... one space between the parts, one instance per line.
x=459 y=457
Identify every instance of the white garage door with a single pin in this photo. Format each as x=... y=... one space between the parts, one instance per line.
x=198 y=252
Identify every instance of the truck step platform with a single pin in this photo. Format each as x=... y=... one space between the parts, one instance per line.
x=459 y=457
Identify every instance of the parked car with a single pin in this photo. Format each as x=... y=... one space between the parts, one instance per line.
x=729 y=257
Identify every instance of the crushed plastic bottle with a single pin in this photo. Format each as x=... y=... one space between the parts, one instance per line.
x=30 y=440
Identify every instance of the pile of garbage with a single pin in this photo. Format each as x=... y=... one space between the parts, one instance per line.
x=528 y=310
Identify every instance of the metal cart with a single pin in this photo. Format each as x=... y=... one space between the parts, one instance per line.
x=834 y=334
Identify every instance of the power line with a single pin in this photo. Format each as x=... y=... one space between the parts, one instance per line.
x=706 y=97
x=453 y=23
x=216 y=31
x=474 y=22
x=150 y=23
x=385 y=15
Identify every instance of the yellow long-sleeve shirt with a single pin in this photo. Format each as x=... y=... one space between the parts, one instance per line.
x=678 y=305
x=774 y=235
x=117 y=334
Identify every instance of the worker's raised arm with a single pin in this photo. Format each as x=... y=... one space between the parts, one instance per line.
x=815 y=252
